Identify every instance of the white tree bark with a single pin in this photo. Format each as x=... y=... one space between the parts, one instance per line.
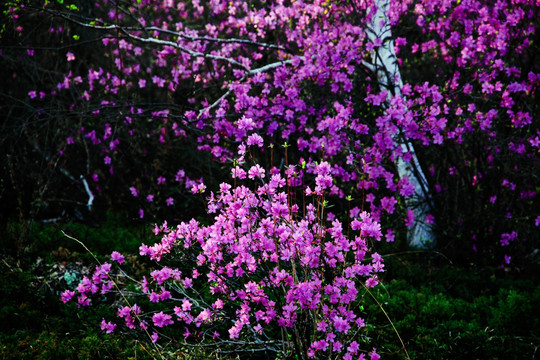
x=385 y=66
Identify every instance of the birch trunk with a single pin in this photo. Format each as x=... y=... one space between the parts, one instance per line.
x=385 y=66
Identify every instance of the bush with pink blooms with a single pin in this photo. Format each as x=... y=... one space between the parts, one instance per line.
x=267 y=274
x=340 y=123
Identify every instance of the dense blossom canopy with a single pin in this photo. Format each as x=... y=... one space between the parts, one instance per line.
x=398 y=113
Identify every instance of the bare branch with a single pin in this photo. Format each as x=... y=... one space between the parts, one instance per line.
x=126 y=31
x=269 y=67
x=213 y=39
x=214 y=104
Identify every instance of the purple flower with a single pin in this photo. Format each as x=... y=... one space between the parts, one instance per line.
x=341 y=325
x=67 y=296
x=374 y=355
x=409 y=221
x=388 y=203
x=160 y=319
x=255 y=139
x=116 y=256
x=353 y=347
x=83 y=300
x=107 y=326
x=134 y=191
x=506 y=238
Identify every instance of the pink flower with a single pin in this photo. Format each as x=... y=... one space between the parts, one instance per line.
x=374 y=355
x=67 y=296
x=187 y=283
x=83 y=300
x=123 y=311
x=256 y=171
x=246 y=123
x=134 y=191
x=409 y=221
x=255 y=139
x=70 y=56
x=234 y=332
x=160 y=319
x=372 y=282
x=319 y=345
x=238 y=173
x=107 y=326
x=341 y=325
x=390 y=236
x=116 y=256
x=198 y=188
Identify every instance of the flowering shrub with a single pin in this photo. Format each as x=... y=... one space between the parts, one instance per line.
x=469 y=70
x=266 y=274
x=339 y=79
x=420 y=112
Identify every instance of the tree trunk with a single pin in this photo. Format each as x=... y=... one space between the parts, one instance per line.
x=385 y=66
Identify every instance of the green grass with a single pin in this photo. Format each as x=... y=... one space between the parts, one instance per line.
x=446 y=312
x=34 y=324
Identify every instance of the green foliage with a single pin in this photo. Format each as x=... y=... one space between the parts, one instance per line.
x=46 y=240
x=35 y=325
x=49 y=345
x=448 y=312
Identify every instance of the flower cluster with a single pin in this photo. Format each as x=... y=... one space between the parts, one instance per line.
x=266 y=265
x=98 y=283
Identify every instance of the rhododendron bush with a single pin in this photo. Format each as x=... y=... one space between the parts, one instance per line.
x=430 y=103
x=420 y=116
x=265 y=275
x=477 y=72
